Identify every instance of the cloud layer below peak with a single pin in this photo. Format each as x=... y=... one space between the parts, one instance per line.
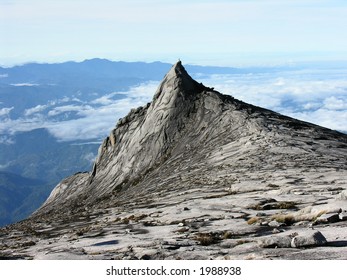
x=71 y=119
x=314 y=95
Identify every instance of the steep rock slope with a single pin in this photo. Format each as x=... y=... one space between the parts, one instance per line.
x=197 y=174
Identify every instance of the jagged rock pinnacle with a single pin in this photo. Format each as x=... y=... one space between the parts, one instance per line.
x=177 y=79
x=146 y=136
x=177 y=69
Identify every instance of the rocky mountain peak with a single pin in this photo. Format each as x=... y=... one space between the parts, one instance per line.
x=144 y=138
x=186 y=175
x=177 y=82
x=179 y=73
x=185 y=121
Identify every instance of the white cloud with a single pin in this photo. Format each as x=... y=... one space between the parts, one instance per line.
x=312 y=106
x=92 y=121
x=39 y=108
x=315 y=95
x=97 y=122
x=104 y=100
x=10 y=126
x=4 y=166
x=34 y=110
x=24 y=85
x=3 y=76
x=328 y=118
x=90 y=157
x=333 y=103
x=5 y=111
x=83 y=128
x=81 y=110
x=4 y=139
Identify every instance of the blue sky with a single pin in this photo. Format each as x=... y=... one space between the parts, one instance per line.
x=208 y=32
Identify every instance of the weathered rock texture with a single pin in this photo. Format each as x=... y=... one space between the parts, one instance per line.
x=197 y=174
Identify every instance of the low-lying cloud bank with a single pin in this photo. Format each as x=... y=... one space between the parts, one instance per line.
x=69 y=121
x=317 y=96
x=314 y=95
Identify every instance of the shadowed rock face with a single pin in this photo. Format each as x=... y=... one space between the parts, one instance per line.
x=209 y=172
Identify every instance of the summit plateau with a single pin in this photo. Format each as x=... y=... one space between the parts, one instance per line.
x=196 y=174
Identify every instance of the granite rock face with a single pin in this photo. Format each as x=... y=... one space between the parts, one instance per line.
x=196 y=174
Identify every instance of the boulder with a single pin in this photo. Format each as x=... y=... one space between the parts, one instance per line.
x=342 y=195
x=343 y=216
x=275 y=241
x=328 y=218
x=309 y=239
x=275 y=224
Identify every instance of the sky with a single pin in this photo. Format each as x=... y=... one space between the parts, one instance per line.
x=204 y=32
x=232 y=33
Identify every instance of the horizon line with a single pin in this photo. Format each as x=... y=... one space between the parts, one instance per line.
x=236 y=65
